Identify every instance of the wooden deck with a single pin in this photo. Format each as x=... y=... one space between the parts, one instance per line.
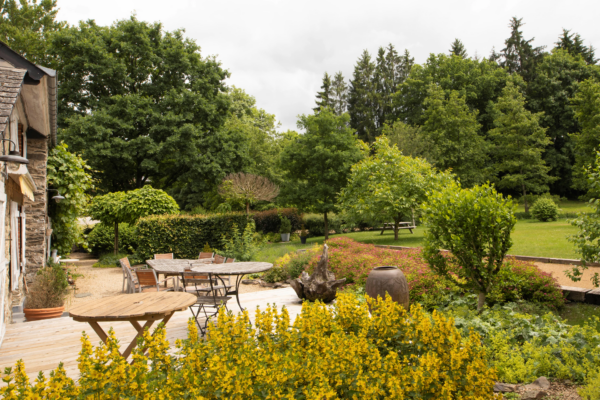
x=43 y=344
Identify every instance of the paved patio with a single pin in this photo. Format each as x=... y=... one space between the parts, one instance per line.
x=43 y=344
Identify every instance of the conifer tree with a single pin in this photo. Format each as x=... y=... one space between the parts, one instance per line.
x=519 y=143
x=387 y=77
x=519 y=56
x=573 y=44
x=339 y=91
x=458 y=49
x=406 y=64
x=324 y=97
x=361 y=99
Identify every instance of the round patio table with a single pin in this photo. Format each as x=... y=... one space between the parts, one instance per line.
x=239 y=269
x=136 y=307
x=174 y=267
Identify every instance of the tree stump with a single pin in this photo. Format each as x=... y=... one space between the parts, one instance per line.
x=321 y=285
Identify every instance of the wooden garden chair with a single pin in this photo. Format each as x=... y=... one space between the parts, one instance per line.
x=127 y=273
x=164 y=256
x=204 y=255
x=218 y=259
x=148 y=282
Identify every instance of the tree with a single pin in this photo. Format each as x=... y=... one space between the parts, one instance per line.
x=410 y=140
x=519 y=56
x=388 y=186
x=587 y=142
x=452 y=131
x=248 y=188
x=573 y=44
x=587 y=239
x=552 y=92
x=474 y=225
x=27 y=25
x=70 y=176
x=361 y=99
x=141 y=104
x=325 y=96
x=458 y=49
x=339 y=92
x=116 y=207
x=520 y=142
x=317 y=163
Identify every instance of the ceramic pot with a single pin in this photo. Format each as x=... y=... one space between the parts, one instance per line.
x=285 y=237
x=35 y=314
x=387 y=279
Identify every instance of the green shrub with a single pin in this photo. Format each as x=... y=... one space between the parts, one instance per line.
x=185 y=235
x=315 y=224
x=544 y=209
x=111 y=260
x=241 y=245
x=286 y=226
x=591 y=391
x=270 y=221
x=102 y=238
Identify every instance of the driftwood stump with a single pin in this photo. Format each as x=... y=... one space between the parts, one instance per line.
x=321 y=285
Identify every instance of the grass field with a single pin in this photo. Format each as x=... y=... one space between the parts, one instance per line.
x=530 y=238
x=566 y=207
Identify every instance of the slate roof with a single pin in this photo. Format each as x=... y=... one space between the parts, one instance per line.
x=11 y=80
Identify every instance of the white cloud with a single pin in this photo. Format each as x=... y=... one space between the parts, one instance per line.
x=278 y=50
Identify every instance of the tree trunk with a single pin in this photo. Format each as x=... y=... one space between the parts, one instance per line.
x=326 y=225
x=247 y=207
x=396 y=223
x=480 y=301
x=116 y=238
x=525 y=198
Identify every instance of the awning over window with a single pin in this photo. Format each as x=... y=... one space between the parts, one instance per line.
x=26 y=187
x=22 y=177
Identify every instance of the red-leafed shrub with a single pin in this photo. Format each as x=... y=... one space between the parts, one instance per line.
x=269 y=221
x=517 y=279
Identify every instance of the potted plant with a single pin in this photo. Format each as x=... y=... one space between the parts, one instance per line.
x=285 y=229
x=47 y=295
x=303 y=235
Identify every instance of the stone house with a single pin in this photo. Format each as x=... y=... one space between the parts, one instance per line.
x=28 y=106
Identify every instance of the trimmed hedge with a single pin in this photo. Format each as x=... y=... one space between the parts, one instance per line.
x=184 y=235
x=270 y=222
x=315 y=224
x=102 y=239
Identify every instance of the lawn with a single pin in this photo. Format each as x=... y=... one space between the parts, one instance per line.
x=530 y=238
x=568 y=206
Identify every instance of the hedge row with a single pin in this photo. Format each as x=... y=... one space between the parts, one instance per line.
x=184 y=235
x=269 y=221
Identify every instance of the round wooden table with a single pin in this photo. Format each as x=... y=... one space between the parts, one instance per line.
x=135 y=307
x=239 y=269
x=174 y=267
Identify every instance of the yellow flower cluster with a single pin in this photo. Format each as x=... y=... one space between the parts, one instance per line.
x=330 y=352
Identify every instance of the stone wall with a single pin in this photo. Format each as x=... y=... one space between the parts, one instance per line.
x=36 y=211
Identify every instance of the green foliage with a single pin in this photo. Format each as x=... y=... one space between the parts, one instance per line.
x=315 y=224
x=49 y=289
x=185 y=235
x=286 y=225
x=27 y=25
x=520 y=142
x=587 y=239
x=475 y=226
x=388 y=186
x=111 y=260
x=318 y=163
x=590 y=390
x=207 y=249
x=239 y=245
x=587 y=111
x=291 y=265
x=70 y=175
x=102 y=238
x=409 y=140
x=269 y=221
x=544 y=210
x=159 y=119
x=451 y=132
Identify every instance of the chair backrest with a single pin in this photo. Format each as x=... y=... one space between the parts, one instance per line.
x=125 y=263
x=164 y=256
x=134 y=285
x=146 y=277
x=218 y=259
x=230 y=260
x=205 y=255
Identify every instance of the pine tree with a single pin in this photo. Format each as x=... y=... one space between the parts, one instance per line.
x=520 y=142
x=325 y=96
x=458 y=49
x=388 y=75
x=406 y=63
x=573 y=44
x=519 y=56
x=361 y=99
x=339 y=90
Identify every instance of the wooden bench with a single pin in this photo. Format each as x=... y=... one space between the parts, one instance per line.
x=401 y=225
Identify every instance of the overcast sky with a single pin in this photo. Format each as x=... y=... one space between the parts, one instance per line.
x=277 y=51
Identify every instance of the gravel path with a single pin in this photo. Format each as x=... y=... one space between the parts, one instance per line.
x=97 y=283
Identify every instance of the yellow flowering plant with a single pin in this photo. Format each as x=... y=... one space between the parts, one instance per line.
x=329 y=352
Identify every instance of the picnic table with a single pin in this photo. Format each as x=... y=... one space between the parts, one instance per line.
x=237 y=269
x=401 y=225
x=149 y=307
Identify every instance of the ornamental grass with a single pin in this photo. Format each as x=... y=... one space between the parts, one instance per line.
x=330 y=352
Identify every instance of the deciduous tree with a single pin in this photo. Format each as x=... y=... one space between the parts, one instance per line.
x=317 y=163
x=587 y=142
x=248 y=188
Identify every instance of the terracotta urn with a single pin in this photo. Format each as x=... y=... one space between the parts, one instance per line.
x=388 y=279
x=35 y=314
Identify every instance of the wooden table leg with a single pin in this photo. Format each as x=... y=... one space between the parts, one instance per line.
x=141 y=330
x=99 y=331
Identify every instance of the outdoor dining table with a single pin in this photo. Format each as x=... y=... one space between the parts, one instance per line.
x=149 y=307
x=174 y=267
x=237 y=269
